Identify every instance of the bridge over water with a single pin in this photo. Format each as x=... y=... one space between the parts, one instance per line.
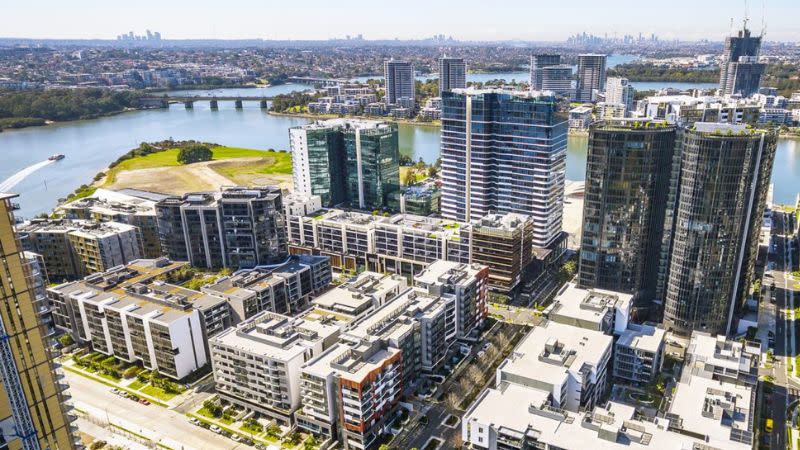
x=189 y=100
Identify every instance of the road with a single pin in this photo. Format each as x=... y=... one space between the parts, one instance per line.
x=785 y=385
x=156 y=423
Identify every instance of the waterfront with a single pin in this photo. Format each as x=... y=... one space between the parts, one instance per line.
x=91 y=145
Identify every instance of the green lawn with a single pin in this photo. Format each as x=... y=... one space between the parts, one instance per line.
x=136 y=385
x=169 y=158
x=158 y=393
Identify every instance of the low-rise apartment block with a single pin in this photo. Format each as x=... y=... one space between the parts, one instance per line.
x=639 y=353
x=257 y=364
x=128 y=206
x=76 y=248
x=351 y=391
x=238 y=227
x=358 y=297
x=592 y=309
x=129 y=313
x=283 y=289
x=568 y=364
x=406 y=244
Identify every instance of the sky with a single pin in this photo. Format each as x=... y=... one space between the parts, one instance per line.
x=530 y=20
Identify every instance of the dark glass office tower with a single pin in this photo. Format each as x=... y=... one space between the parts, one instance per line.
x=539 y=62
x=740 y=71
x=373 y=164
x=452 y=74
x=720 y=186
x=627 y=182
x=504 y=152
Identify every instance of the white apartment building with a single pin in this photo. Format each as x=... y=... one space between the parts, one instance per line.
x=568 y=364
x=359 y=297
x=620 y=91
x=257 y=364
x=592 y=309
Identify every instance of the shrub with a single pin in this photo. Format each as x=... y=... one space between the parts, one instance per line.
x=194 y=153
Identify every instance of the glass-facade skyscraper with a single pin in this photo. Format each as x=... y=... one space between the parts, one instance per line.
x=452 y=74
x=591 y=77
x=627 y=180
x=720 y=181
x=740 y=71
x=354 y=162
x=504 y=152
x=373 y=164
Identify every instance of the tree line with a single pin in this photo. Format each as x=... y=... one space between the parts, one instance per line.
x=646 y=72
x=65 y=104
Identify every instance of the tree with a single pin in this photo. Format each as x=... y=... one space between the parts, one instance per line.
x=474 y=374
x=432 y=171
x=452 y=400
x=194 y=153
x=410 y=177
x=66 y=340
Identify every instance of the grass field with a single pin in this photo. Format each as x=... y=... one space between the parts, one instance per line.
x=419 y=174
x=282 y=162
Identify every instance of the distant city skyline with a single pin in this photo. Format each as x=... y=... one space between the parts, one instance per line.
x=417 y=19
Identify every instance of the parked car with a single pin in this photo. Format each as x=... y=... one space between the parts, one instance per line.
x=144 y=401
x=215 y=429
x=194 y=421
x=115 y=391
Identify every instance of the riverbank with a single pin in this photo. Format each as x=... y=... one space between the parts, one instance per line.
x=432 y=123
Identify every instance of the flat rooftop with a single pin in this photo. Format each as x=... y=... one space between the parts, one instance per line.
x=516 y=411
x=275 y=336
x=588 y=305
x=719 y=410
x=441 y=271
x=552 y=349
x=642 y=337
x=355 y=296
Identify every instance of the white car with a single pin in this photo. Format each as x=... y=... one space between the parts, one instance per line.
x=215 y=429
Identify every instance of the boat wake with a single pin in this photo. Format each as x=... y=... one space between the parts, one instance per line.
x=15 y=179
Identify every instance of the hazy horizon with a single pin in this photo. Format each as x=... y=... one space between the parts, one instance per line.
x=469 y=20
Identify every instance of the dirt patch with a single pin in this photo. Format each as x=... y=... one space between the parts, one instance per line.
x=205 y=176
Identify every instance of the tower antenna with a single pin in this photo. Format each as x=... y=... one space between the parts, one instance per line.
x=746 y=18
x=763 y=18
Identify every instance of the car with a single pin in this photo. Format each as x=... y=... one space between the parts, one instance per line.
x=124 y=394
x=236 y=438
x=134 y=398
x=144 y=401
x=194 y=421
x=115 y=391
x=487 y=346
x=481 y=353
x=215 y=429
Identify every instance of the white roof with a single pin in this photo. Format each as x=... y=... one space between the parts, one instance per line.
x=579 y=346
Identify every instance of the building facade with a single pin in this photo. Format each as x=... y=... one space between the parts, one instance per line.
x=284 y=289
x=128 y=206
x=130 y=314
x=400 y=84
x=504 y=153
x=591 y=77
x=452 y=74
x=257 y=364
x=718 y=199
x=237 y=227
x=76 y=248
x=628 y=173
x=34 y=412
x=347 y=161
x=740 y=71
x=620 y=91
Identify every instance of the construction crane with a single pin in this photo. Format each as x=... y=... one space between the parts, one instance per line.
x=23 y=423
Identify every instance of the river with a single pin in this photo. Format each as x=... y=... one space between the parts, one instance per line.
x=91 y=145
